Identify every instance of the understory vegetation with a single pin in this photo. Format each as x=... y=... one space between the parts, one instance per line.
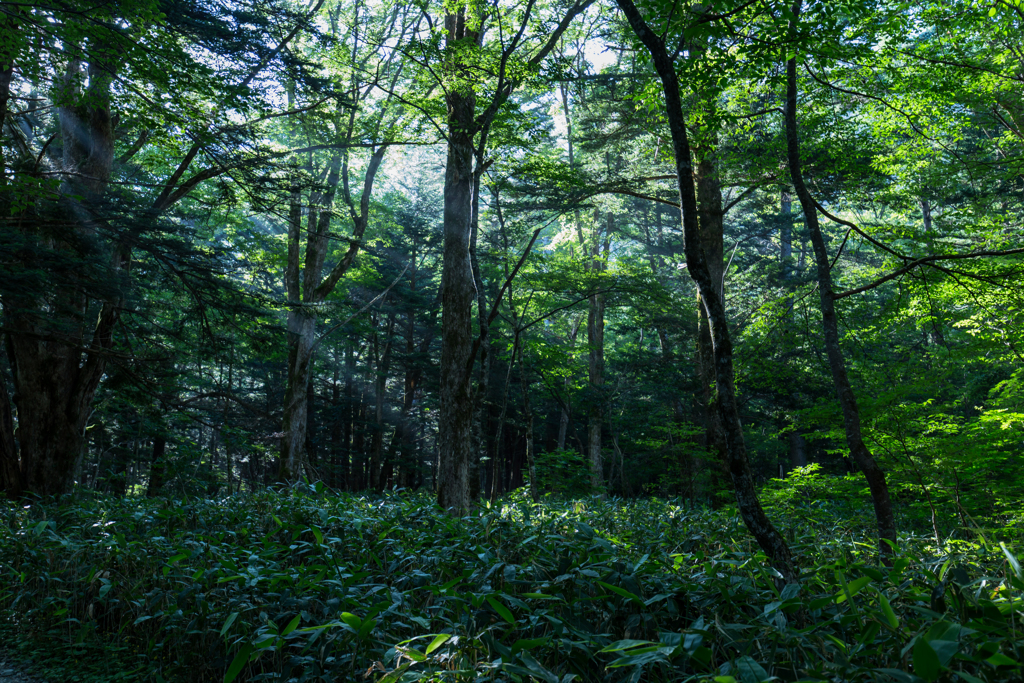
x=302 y=584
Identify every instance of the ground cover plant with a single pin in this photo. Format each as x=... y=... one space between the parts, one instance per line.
x=306 y=585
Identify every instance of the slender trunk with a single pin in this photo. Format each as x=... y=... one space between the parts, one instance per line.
x=565 y=416
x=595 y=365
x=157 y=466
x=531 y=463
x=311 y=427
x=377 y=463
x=797 y=452
x=830 y=324
x=337 y=419
x=496 y=477
x=482 y=405
x=768 y=538
x=11 y=483
x=348 y=417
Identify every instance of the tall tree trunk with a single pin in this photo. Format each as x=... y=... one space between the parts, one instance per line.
x=712 y=244
x=458 y=290
x=767 y=537
x=830 y=326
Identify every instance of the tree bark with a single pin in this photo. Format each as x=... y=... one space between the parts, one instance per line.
x=158 y=466
x=10 y=468
x=712 y=244
x=761 y=528
x=377 y=464
x=830 y=326
x=458 y=292
x=595 y=358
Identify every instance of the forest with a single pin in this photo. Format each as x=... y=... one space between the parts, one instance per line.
x=512 y=340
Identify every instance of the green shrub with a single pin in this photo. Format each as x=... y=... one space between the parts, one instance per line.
x=304 y=586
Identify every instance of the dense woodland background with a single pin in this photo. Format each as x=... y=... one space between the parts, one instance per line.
x=466 y=249
x=205 y=179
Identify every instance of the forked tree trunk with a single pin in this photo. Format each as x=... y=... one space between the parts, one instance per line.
x=314 y=288
x=761 y=528
x=830 y=327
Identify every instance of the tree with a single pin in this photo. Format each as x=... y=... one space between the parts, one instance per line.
x=74 y=220
x=467 y=136
x=697 y=265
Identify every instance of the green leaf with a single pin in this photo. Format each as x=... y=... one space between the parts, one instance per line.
x=1012 y=560
x=439 y=640
x=352 y=620
x=999 y=659
x=292 y=625
x=620 y=645
x=396 y=675
x=926 y=661
x=505 y=613
x=238 y=662
x=890 y=615
x=227 y=623
x=623 y=592
x=528 y=643
x=851 y=589
x=969 y=678
x=750 y=671
x=413 y=654
x=366 y=628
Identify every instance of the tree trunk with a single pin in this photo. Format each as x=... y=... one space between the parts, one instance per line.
x=54 y=380
x=157 y=467
x=830 y=326
x=531 y=463
x=377 y=464
x=458 y=291
x=595 y=365
x=301 y=336
x=712 y=243
x=767 y=537
x=565 y=416
x=10 y=469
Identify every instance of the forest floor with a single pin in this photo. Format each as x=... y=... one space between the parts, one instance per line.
x=316 y=586
x=12 y=672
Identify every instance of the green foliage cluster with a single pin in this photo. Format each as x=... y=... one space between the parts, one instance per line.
x=307 y=586
x=562 y=472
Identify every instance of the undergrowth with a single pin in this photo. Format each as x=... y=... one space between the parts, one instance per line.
x=309 y=586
